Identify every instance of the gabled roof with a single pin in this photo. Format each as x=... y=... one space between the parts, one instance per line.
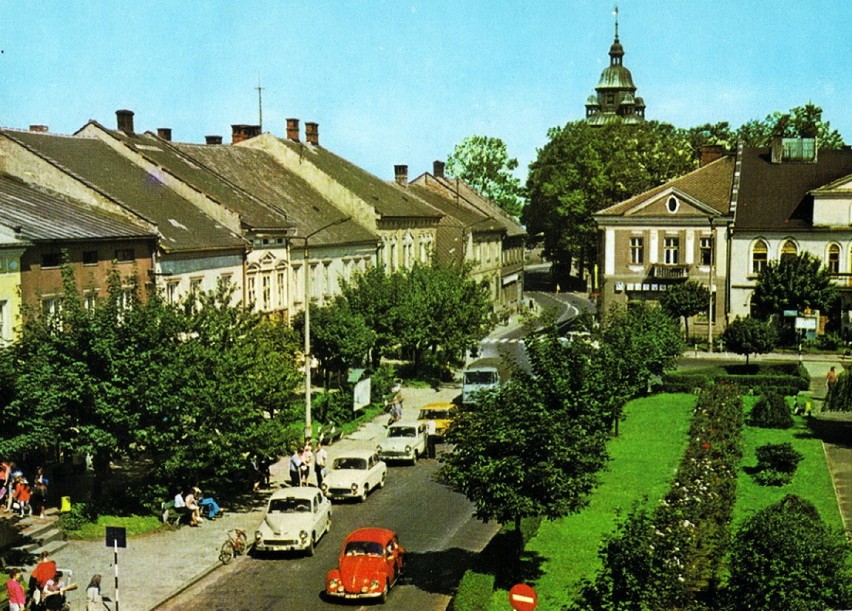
x=776 y=196
x=472 y=197
x=387 y=199
x=254 y=214
x=40 y=215
x=258 y=173
x=709 y=185
x=182 y=226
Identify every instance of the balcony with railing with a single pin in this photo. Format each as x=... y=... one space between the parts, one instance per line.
x=662 y=271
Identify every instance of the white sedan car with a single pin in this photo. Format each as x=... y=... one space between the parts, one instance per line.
x=404 y=441
x=354 y=475
x=295 y=519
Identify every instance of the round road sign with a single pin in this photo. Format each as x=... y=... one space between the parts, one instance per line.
x=522 y=597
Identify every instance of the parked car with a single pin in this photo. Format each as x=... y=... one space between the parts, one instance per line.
x=370 y=563
x=296 y=518
x=437 y=418
x=404 y=441
x=354 y=475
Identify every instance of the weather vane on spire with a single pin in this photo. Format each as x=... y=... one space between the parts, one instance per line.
x=615 y=12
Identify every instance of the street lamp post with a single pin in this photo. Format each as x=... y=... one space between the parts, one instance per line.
x=307 y=297
x=710 y=288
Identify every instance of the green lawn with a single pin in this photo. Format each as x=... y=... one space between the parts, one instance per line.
x=644 y=458
x=812 y=480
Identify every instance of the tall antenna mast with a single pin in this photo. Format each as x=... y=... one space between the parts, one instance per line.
x=259 y=104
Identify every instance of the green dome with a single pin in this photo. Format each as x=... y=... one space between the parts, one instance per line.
x=616 y=77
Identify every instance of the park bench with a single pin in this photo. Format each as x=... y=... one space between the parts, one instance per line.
x=172 y=515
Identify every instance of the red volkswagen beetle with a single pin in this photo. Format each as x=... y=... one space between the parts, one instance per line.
x=370 y=562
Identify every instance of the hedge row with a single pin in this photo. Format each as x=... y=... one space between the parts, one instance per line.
x=666 y=557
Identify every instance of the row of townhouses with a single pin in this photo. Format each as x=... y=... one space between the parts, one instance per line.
x=272 y=216
x=723 y=223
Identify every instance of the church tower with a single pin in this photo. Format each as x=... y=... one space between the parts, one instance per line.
x=615 y=98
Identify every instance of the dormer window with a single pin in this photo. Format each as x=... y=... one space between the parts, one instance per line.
x=672 y=205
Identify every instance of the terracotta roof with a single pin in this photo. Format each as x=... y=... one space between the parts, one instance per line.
x=710 y=185
x=42 y=215
x=388 y=199
x=182 y=226
x=258 y=173
x=775 y=196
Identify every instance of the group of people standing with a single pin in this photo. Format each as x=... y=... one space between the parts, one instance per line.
x=18 y=494
x=46 y=588
x=303 y=459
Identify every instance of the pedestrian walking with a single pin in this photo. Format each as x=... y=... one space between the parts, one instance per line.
x=295 y=468
x=320 y=459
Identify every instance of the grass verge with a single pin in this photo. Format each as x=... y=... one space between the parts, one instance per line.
x=135 y=526
x=644 y=458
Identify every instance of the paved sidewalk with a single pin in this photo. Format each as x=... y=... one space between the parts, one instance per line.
x=154 y=567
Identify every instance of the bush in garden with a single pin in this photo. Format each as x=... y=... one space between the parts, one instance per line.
x=773 y=478
x=778 y=457
x=474 y=592
x=771 y=412
x=785 y=557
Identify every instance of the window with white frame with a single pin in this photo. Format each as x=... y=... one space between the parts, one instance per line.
x=789 y=249
x=671 y=250
x=251 y=288
x=172 y=291
x=833 y=259
x=281 y=282
x=759 y=256
x=5 y=323
x=266 y=292
x=51 y=306
x=637 y=250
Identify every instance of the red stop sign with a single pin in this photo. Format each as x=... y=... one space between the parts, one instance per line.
x=522 y=597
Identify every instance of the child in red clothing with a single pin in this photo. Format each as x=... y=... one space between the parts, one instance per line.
x=22 y=495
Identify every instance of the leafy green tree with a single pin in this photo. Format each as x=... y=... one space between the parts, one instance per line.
x=749 y=336
x=583 y=169
x=483 y=162
x=440 y=311
x=793 y=283
x=638 y=344
x=374 y=294
x=340 y=337
x=535 y=447
x=686 y=300
x=805 y=121
x=785 y=557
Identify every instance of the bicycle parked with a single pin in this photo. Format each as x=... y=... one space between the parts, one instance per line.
x=235 y=545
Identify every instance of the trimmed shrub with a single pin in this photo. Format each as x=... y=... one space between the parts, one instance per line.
x=773 y=478
x=771 y=412
x=474 y=593
x=785 y=557
x=778 y=457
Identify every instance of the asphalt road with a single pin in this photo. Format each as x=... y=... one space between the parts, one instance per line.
x=434 y=524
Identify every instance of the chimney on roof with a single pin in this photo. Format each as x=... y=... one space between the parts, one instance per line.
x=710 y=153
x=125 y=120
x=165 y=133
x=438 y=169
x=38 y=128
x=400 y=173
x=213 y=139
x=293 y=130
x=243 y=132
x=312 y=133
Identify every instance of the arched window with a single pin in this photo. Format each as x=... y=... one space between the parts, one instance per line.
x=759 y=256
x=833 y=259
x=789 y=249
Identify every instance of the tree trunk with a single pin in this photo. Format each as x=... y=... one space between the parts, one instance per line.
x=519 y=538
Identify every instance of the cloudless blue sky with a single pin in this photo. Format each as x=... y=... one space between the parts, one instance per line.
x=403 y=81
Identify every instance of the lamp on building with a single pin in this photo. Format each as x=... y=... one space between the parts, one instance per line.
x=307 y=297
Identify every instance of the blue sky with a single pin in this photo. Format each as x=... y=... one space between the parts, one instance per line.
x=393 y=82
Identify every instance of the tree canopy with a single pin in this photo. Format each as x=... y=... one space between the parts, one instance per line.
x=583 y=169
x=686 y=300
x=749 y=336
x=794 y=283
x=483 y=162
